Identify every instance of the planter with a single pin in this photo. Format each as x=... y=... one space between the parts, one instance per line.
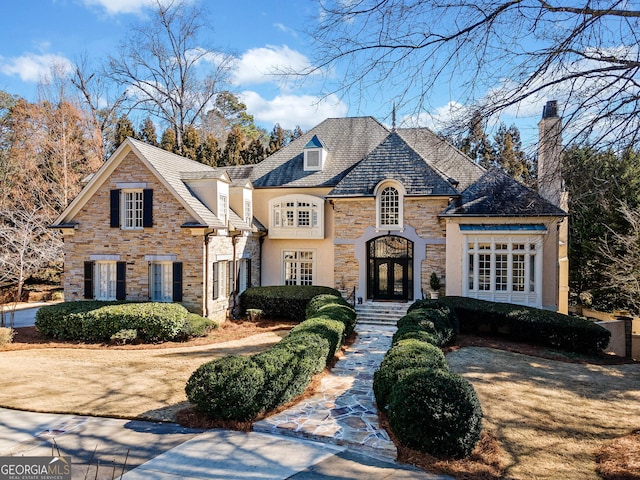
x=434 y=294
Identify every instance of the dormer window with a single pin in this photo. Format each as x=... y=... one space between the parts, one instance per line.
x=314 y=155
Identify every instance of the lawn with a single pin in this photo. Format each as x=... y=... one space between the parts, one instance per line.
x=136 y=381
x=550 y=417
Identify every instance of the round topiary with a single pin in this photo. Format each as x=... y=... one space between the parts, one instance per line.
x=435 y=412
x=409 y=355
x=227 y=388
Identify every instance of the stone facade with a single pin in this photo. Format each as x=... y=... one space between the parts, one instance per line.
x=94 y=237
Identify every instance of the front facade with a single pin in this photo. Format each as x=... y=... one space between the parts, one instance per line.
x=350 y=204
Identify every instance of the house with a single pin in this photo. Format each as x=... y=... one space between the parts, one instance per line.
x=350 y=204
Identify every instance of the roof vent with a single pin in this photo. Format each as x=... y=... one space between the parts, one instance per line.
x=314 y=154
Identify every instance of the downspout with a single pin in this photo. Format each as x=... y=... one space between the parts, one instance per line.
x=233 y=303
x=205 y=297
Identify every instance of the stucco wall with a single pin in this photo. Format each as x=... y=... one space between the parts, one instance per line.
x=549 y=274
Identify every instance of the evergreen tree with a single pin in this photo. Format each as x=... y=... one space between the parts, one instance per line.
x=168 y=140
x=233 y=148
x=476 y=143
x=208 y=151
x=124 y=129
x=507 y=153
x=276 y=140
x=190 y=143
x=254 y=153
x=148 y=132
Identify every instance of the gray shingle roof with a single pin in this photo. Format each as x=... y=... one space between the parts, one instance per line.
x=393 y=159
x=442 y=156
x=496 y=194
x=347 y=141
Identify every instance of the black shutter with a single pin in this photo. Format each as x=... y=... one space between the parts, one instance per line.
x=147 y=205
x=115 y=208
x=177 y=281
x=121 y=281
x=88 y=280
x=248 y=273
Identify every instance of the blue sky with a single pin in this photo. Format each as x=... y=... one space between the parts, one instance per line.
x=264 y=35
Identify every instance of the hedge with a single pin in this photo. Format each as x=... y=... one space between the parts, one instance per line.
x=435 y=411
x=285 y=369
x=405 y=354
x=528 y=324
x=439 y=323
x=93 y=321
x=289 y=301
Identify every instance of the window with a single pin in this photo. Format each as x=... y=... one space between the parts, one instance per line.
x=131 y=209
x=504 y=268
x=161 y=281
x=389 y=199
x=222 y=279
x=244 y=274
x=298 y=267
x=105 y=281
x=165 y=281
x=248 y=214
x=223 y=208
x=297 y=216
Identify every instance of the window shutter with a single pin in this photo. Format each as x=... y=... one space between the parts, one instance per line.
x=147 y=205
x=248 y=273
x=88 y=280
x=121 y=281
x=177 y=281
x=115 y=208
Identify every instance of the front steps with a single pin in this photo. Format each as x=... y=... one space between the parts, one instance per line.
x=381 y=313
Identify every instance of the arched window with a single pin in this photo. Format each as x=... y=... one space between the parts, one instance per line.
x=389 y=203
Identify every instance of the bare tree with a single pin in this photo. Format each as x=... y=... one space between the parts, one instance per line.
x=622 y=250
x=162 y=63
x=27 y=246
x=494 y=54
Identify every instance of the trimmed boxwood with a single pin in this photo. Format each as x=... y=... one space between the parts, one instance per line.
x=285 y=369
x=288 y=301
x=228 y=388
x=405 y=354
x=99 y=321
x=435 y=411
x=528 y=324
x=435 y=321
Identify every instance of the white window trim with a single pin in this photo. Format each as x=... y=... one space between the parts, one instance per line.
x=527 y=297
x=277 y=214
x=297 y=262
x=223 y=208
x=110 y=292
x=401 y=194
x=322 y=153
x=138 y=219
x=166 y=281
x=248 y=212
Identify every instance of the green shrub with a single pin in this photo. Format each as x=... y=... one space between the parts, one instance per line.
x=436 y=412
x=288 y=301
x=414 y=332
x=124 y=336
x=97 y=321
x=436 y=322
x=325 y=327
x=323 y=300
x=289 y=366
x=197 y=326
x=228 y=388
x=407 y=354
x=527 y=324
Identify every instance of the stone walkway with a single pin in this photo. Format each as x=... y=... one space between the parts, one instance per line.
x=344 y=409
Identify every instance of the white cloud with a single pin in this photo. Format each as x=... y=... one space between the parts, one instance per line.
x=437 y=120
x=285 y=29
x=115 y=7
x=32 y=67
x=262 y=65
x=289 y=111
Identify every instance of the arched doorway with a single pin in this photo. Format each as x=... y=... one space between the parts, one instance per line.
x=390 y=268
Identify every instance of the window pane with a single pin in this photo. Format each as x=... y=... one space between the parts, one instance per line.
x=298 y=267
x=502 y=269
x=471 y=271
x=161 y=282
x=389 y=207
x=105 y=281
x=518 y=273
x=484 y=272
x=532 y=273
x=133 y=209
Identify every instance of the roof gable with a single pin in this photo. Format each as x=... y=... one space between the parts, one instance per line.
x=169 y=168
x=393 y=159
x=346 y=140
x=496 y=194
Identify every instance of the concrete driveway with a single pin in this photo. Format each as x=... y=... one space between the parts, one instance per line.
x=24 y=315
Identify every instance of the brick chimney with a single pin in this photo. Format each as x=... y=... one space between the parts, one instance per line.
x=550 y=185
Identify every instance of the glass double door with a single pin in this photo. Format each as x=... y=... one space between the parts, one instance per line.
x=390 y=268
